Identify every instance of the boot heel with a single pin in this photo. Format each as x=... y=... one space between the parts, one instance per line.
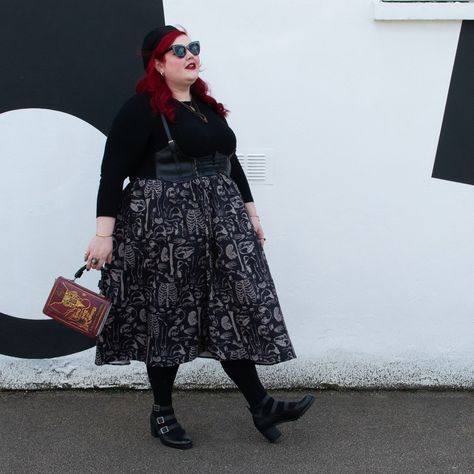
x=153 y=428
x=272 y=433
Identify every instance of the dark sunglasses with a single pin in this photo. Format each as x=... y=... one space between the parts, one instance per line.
x=180 y=50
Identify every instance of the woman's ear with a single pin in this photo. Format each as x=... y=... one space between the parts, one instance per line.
x=159 y=66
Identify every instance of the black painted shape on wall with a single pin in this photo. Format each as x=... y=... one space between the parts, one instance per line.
x=39 y=338
x=455 y=155
x=79 y=57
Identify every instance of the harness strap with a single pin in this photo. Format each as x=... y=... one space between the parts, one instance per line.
x=171 y=142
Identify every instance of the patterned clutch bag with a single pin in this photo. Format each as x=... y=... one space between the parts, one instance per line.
x=77 y=307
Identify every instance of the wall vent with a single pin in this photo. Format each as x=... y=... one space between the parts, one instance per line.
x=257 y=165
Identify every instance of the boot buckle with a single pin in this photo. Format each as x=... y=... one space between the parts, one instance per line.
x=160 y=420
x=165 y=429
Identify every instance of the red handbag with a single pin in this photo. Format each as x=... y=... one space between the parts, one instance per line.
x=77 y=307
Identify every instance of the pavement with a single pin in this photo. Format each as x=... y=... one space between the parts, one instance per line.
x=107 y=431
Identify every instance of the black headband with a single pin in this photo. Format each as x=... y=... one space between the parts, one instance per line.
x=151 y=40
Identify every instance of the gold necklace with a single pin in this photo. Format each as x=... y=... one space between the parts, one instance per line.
x=195 y=110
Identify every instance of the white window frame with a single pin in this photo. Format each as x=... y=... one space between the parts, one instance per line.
x=423 y=10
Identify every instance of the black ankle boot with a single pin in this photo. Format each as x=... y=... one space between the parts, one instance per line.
x=164 y=425
x=266 y=422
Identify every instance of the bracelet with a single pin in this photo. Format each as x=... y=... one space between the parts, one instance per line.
x=100 y=235
x=254 y=216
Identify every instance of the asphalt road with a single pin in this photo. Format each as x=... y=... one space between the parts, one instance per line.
x=107 y=431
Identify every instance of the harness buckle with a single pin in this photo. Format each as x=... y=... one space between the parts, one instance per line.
x=195 y=166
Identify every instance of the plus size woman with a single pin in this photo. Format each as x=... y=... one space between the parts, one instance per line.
x=180 y=248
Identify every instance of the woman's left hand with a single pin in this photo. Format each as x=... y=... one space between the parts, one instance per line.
x=258 y=229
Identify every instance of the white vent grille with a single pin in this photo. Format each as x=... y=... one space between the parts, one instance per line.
x=256 y=165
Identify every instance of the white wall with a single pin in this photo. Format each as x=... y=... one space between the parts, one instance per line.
x=371 y=256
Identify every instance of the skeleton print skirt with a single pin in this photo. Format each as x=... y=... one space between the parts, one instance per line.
x=189 y=278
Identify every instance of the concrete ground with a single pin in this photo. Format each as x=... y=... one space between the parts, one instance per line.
x=107 y=431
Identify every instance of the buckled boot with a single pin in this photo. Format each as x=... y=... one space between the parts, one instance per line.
x=266 y=423
x=165 y=428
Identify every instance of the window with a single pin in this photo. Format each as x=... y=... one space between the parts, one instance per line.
x=423 y=10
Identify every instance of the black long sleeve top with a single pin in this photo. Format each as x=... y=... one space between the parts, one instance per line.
x=136 y=134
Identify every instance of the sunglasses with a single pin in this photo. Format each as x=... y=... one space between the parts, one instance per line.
x=180 y=50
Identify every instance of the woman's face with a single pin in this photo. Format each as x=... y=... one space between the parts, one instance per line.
x=179 y=71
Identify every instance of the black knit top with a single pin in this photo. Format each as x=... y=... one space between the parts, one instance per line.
x=136 y=134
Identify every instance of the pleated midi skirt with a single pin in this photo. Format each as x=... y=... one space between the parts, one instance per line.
x=189 y=278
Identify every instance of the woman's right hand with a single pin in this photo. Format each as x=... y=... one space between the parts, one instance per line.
x=101 y=249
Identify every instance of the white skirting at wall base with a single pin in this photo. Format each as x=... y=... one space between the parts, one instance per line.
x=336 y=370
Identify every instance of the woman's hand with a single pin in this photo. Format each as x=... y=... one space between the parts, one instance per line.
x=258 y=229
x=101 y=249
x=253 y=216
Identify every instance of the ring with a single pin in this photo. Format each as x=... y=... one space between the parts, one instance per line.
x=94 y=261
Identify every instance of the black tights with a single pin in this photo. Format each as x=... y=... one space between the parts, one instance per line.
x=242 y=372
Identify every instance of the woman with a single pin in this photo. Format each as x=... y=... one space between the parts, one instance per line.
x=180 y=249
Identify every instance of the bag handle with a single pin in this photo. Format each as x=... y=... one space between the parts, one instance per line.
x=79 y=272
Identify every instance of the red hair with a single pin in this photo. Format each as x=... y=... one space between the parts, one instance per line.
x=161 y=96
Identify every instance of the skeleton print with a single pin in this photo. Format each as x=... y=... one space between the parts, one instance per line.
x=189 y=278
